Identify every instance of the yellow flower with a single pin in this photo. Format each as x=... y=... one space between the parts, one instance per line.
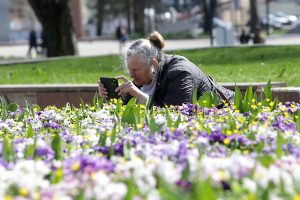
x=221 y=174
x=226 y=141
x=23 y=192
x=228 y=132
x=140 y=125
x=109 y=133
x=296 y=197
x=246 y=151
x=253 y=106
x=76 y=166
x=59 y=172
x=8 y=197
x=100 y=155
x=271 y=103
x=93 y=108
x=259 y=103
x=36 y=196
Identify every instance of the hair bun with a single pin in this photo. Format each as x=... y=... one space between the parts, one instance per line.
x=157 y=40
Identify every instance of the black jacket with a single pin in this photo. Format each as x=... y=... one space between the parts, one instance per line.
x=177 y=80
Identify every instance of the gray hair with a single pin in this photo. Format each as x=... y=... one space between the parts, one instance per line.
x=144 y=49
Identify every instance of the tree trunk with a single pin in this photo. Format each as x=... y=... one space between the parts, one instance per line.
x=100 y=15
x=206 y=16
x=55 y=18
x=128 y=15
x=254 y=22
x=138 y=16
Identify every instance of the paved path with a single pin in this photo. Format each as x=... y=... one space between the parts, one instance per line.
x=93 y=48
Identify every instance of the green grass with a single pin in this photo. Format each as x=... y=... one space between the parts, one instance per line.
x=240 y=64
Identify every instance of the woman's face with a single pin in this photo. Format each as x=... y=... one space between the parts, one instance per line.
x=139 y=71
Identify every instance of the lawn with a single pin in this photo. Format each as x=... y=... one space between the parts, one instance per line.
x=239 y=64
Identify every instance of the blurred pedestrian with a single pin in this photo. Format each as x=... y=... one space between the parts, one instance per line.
x=244 y=37
x=32 y=42
x=121 y=34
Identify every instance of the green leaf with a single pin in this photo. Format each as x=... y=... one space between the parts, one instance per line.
x=195 y=96
x=168 y=191
x=247 y=99
x=132 y=190
x=298 y=120
x=112 y=141
x=185 y=172
x=215 y=99
x=150 y=120
x=238 y=99
x=102 y=139
x=279 y=142
x=169 y=118
x=12 y=107
x=6 y=150
x=266 y=160
x=29 y=133
x=205 y=101
x=267 y=91
x=78 y=128
x=129 y=116
x=126 y=150
x=177 y=123
x=95 y=100
x=80 y=196
x=203 y=190
x=56 y=146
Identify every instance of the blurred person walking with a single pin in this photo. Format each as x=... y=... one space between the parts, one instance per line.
x=32 y=42
x=121 y=34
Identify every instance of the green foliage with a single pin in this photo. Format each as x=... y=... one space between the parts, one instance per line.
x=247 y=99
x=112 y=141
x=29 y=133
x=208 y=100
x=298 y=121
x=280 y=142
x=266 y=160
x=56 y=145
x=251 y=101
x=129 y=114
x=102 y=139
x=8 y=152
x=238 y=102
x=150 y=120
x=203 y=190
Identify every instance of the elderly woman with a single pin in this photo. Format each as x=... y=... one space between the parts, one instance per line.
x=165 y=79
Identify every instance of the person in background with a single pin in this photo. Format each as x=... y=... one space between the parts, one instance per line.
x=121 y=34
x=244 y=37
x=164 y=79
x=32 y=42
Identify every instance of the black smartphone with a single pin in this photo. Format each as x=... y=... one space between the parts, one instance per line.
x=110 y=84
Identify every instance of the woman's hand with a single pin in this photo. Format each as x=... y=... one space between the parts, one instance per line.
x=129 y=88
x=102 y=90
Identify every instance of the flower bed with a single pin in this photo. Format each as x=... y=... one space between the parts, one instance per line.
x=111 y=151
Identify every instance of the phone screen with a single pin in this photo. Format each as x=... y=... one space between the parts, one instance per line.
x=110 y=84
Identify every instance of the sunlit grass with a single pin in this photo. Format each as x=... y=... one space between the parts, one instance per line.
x=241 y=64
